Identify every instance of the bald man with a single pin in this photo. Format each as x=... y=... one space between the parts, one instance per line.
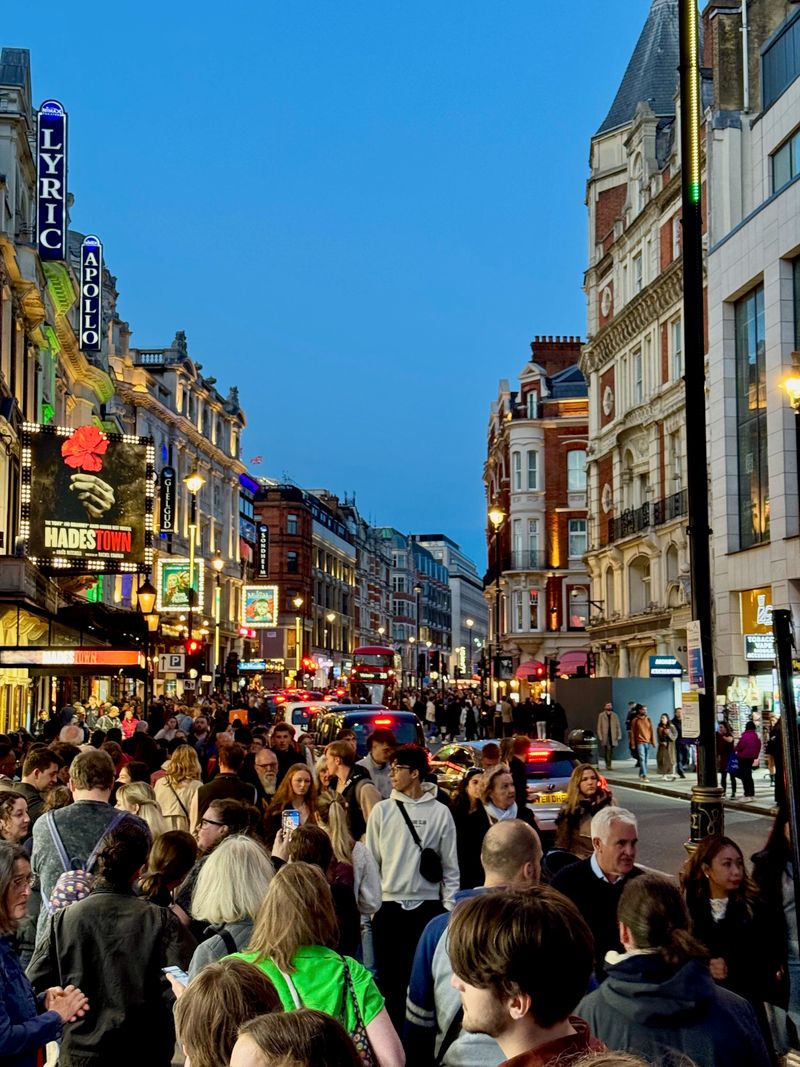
x=511 y=856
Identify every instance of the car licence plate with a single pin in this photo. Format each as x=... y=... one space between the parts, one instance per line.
x=548 y=798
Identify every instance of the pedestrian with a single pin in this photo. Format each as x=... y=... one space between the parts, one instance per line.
x=140 y=799
x=511 y=857
x=659 y=998
x=303 y=1038
x=215 y=1004
x=517 y=764
x=264 y=775
x=354 y=785
x=557 y=723
x=176 y=789
x=471 y=826
x=296 y=792
x=470 y=723
x=14 y=819
x=628 y=721
x=641 y=738
x=500 y=945
x=27 y=1023
x=412 y=838
x=773 y=876
x=506 y=710
x=223 y=819
x=747 y=750
x=595 y=885
x=724 y=750
x=281 y=742
x=227 y=784
x=115 y=946
x=730 y=920
x=227 y=896
x=608 y=732
x=430 y=715
x=293 y=942
x=381 y=744
x=76 y=830
x=585 y=797
x=171 y=857
x=667 y=736
x=453 y=717
x=39 y=774
x=499 y=796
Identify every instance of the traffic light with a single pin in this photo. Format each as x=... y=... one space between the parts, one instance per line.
x=540 y=671
x=553 y=665
x=422 y=664
x=195 y=650
x=232 y=665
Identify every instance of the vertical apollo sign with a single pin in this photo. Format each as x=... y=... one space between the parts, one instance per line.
x=91 y=293
x=51 y=185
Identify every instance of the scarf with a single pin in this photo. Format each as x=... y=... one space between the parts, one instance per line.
x=498 y=815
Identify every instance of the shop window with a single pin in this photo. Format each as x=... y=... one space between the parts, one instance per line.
x=751 y=419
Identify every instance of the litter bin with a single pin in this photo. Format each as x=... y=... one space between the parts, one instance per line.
x=584 y=744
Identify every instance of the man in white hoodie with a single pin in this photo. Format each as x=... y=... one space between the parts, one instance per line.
x=410 y=901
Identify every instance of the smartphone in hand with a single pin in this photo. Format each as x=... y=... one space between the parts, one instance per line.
x=177 y=974
x=290 y=820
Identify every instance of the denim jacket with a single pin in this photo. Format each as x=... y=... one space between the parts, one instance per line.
x=23 y=1031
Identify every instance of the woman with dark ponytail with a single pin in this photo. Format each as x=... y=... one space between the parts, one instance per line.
x=119 y=944
x=171 y=858
x=659 y=997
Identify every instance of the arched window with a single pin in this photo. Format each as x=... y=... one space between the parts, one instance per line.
x=671 y=563
x=639 y=584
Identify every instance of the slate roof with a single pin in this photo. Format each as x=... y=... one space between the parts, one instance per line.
x=652 y=73
x=569 y=382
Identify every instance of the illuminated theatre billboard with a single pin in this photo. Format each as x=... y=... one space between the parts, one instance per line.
x=87 y=499
x=260 y=606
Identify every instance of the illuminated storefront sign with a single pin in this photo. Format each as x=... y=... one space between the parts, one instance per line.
x=87 y=499
x=112 y=658
x=172 y=584
x=260 y=606
x=756 y=609
x=51 y=186
x=91 y=294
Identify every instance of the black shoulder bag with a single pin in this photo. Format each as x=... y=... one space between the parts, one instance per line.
x=430 y=862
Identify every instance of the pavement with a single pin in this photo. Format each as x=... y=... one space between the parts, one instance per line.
x=626 y=773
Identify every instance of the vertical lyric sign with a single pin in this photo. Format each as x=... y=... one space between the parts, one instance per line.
x=91 y=293
x=51 y=183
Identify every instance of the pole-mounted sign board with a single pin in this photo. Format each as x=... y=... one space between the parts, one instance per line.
x=51 y=185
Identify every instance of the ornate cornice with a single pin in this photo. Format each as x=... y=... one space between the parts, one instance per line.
x=643 y=311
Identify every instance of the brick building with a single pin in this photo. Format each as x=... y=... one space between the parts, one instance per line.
x=536 y=473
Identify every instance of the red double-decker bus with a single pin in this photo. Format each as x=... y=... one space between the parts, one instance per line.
x=374 y=675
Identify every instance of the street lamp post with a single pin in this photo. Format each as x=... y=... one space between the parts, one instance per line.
x=496 y=517
x=298 y=636
x=146 y=600
x=194 y=483
x=330 y=618
x=412 y=667
x=469 y=623
x=217 y=563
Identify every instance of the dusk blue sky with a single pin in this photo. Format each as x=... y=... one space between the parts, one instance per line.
x=359 y=212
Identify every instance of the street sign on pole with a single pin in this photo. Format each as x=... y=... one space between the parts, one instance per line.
x=171 y=662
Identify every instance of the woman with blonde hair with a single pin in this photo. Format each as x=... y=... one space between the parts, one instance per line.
x=499 y=797
x=174 y=792
x=293 y=943
x=585 y=797
x=229 y=892
x=140 y=799
x=331 y=815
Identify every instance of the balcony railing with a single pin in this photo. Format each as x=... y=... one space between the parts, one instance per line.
x=633 y=520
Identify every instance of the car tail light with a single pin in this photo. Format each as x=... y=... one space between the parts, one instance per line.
x=383 y=722
x=537 y=755
x=280 y=699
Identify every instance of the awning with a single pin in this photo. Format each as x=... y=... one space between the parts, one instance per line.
x=531 y=668
x=569 y=662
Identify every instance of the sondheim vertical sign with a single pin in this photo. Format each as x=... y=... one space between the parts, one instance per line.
x=262 y=551
x=91 y=293
x=51 y=188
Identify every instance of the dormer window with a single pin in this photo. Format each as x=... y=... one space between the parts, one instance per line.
x=533 y=404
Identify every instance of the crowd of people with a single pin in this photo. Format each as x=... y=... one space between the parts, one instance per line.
x=224 y=891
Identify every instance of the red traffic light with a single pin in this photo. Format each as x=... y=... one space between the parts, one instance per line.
x=193 y=646
x=540 y=671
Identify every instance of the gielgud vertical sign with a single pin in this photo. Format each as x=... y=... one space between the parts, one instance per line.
x=87 y=499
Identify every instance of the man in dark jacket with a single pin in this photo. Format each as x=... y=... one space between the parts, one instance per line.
x=227 y=785
x=595 y=885
x=39 y=774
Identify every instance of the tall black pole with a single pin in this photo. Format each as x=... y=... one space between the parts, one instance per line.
x=707 y=813
x=496 y=657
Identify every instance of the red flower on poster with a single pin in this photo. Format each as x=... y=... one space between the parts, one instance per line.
x=84 y=448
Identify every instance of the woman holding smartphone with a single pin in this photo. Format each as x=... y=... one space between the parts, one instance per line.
x=296 y=793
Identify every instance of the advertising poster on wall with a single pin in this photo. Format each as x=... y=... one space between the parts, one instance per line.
x=260 y=606
x=172 y=584
x=87 y=499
